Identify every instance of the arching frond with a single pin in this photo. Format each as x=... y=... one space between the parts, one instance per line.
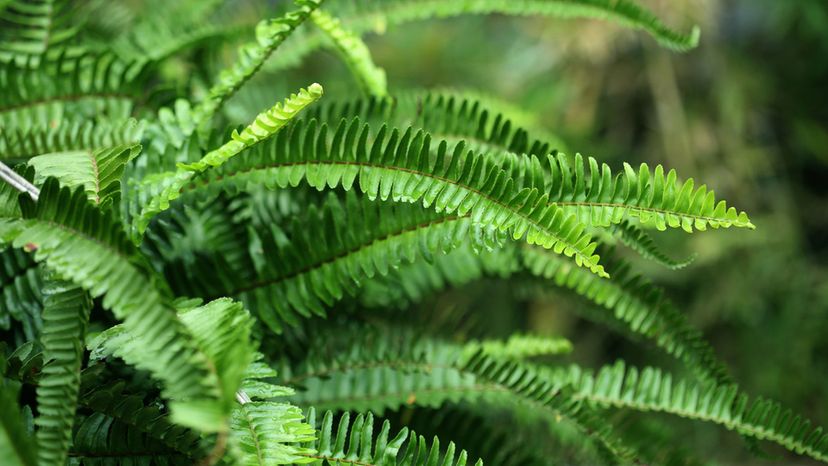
x=269 y=35
x=81 y=244
x=355 y=53
x=98 y=172
x=521 y=347
x=365 y=14
x=638 y=305
x=68 y=135
x=653 y=390
x=639 y=241
x=21 y=299
x=97 y=87
x=263 y=126
x=221 y=332
x=399 y=167
x=65 y=317
x=355 y=444
x=599 y=199
x=266 y=433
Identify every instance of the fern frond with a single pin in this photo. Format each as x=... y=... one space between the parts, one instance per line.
x=98 y=172
x=30 y=29
x=132 y=411
x=639 y=241
x=331 y=251
x=24 y=364
x=355 y=53
x=266 y=433
x=651 y=389
x=69 y=135
x=366 y=14
x=263 y=126
x=396 y=369
x=598 y=199
x=521 y=347
x=355 y=444
x=91 y=86
x=269 y=35
x=78 y=242
x=637 y=304
x=400 y=167
x=101 y=440
x=16 y=446
x=221 y=332
x=65 y=317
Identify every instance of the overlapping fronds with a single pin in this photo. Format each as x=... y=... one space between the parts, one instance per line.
x=449 y=116
x=221 y=332
x=653 y=390
x=90 y=86
x=83 y=245
x=67 y=135
x=640 y=306
x=269 y=35
x=398 y=369
x=65 y=317
x=355 y=53
x=30 y=28
x=329 y=252
x=265 y=125
x=399 y=166
x=98 y=172
x=266 y=433
x=356 y=444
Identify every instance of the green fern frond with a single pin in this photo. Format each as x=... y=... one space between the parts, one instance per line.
x=16 y=445
x=355 y=53
x=69 y=135
x=355 y=444
x=65 y=317
x=598 y=199
x=329 y=252
x=265 y=125
x=266 y=433
x=400 y=167
x=639 y=241
x=521 y=347
x=637 y=304
x=367 y=14
x=221 y=332
x=98 y=172
x=653 y=390
x=269 y=35
x=97 y=87
x=101 y=440
x=30 y=29
x=78 y=242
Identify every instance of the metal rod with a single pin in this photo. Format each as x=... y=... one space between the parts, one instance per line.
x=18 y=182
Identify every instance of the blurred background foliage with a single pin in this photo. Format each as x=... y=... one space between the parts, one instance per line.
x=747 y=112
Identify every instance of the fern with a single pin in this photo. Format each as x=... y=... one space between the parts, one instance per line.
x=355 y=52
x=15 y=444
x=355 y=444
x=32 y=28
x=65 y=314
x=653 y=390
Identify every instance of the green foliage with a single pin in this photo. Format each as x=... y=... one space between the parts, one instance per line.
x=392 y=253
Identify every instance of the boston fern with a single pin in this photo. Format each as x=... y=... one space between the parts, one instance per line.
x=182 y=288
